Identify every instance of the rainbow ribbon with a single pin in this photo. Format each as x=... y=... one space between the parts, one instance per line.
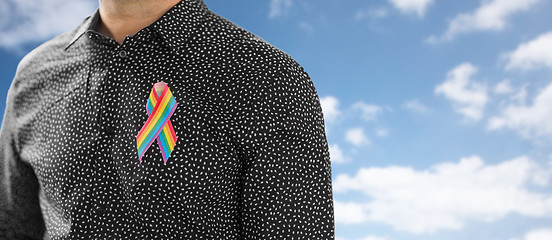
x=158 y=126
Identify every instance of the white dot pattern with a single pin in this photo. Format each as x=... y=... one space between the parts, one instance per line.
x=251 y=160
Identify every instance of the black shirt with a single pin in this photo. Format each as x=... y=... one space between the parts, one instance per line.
x=250 y=160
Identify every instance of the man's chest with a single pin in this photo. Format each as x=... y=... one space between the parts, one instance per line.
x=86 y=139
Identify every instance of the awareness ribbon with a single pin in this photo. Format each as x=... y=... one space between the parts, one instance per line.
x=158 y=126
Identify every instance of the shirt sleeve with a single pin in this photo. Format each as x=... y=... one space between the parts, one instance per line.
x=287 y=182
x=20 y=214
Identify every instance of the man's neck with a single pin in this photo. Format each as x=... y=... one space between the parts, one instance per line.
x=120 y=18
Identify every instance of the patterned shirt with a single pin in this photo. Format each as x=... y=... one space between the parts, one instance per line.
x=235 y=142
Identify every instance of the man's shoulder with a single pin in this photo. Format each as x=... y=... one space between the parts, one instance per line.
x=35 y=73
x=46 y=55
x=276 y=78
x=244 y=49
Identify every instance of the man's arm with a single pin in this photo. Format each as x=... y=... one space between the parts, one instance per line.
x=20 y=214
x=287 y=185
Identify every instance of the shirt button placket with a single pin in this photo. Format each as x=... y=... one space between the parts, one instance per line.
x=101 y=209
x=108 y=128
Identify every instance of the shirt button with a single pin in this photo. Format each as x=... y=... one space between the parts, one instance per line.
x=109 y=130
x=122 y=53
x=100 y=209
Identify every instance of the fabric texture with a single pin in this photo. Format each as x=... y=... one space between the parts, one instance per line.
x=251 y=160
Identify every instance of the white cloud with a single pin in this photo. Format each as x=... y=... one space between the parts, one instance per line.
x=330 y=108
x=492 y=15
x=349 y=213
x=538 y=234
x=336 y=154
x=503 y=87
x=531 y=121
x=279 y=7
x=357 y=136
x=369 y=111
x=415 y=105
x=418 y=7
x=468 y=96
x=446 y=196
x=32 y=21
x=521 y=95
x=532 y=54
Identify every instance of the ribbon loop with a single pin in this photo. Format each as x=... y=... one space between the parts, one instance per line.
x=158 y=126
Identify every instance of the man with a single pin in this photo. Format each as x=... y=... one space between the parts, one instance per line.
x=162 y=120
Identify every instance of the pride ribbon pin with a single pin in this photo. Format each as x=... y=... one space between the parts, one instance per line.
x=158 y=126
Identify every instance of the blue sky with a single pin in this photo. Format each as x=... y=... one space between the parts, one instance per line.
x=438 y=113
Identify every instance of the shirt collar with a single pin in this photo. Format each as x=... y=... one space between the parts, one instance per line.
x=89 y=23
x=174 y=27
